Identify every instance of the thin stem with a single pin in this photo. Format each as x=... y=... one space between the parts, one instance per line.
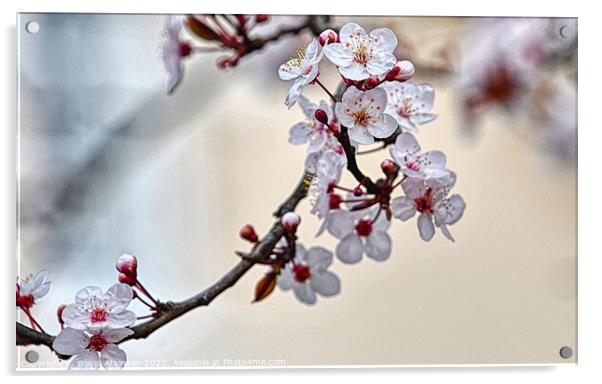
x=372 y=150
x=137 y=296
x=325 y=89
x=145 y=293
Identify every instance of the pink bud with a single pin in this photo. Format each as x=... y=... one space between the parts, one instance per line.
x=127 y=264
x=371 y=82
x=388 y=166
x=402 y=71
x=248 y=233
x=328 y=36
x=357 y=191
x=321 y=116
x=127 y=279
x=261 y=18
x=290 y=221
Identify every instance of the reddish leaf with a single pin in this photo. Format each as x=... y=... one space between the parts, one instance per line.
x=265 y=286
x=200 y=29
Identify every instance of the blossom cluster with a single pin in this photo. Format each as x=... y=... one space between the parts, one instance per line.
x=97 y=320
x=378 y=104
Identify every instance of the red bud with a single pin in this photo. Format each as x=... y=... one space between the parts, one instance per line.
x=388 y=166
x=290 y=221
x=261 y=18
x=127 y=279
x=127 y=264
x=357 y=191
x=321 y=116
x=371 y=82
x=402 y=71
x=328 y=36
x=248 y=233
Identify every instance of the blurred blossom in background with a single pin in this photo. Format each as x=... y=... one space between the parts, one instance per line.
x=110 y=164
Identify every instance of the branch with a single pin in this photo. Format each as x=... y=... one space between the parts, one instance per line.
x=172 y=310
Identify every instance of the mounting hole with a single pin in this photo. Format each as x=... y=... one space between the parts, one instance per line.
x=32 y=27
x=566 y=352
x=32 y=356
x=566 y=31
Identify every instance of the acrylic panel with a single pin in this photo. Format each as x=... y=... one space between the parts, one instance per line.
x=264 y=190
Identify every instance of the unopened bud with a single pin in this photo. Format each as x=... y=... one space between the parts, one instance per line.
x=388 y=166
x=331 y=186
x=127 y=264
x=248 y=233
x=357 y=191
x=127 y=279
x=59 y=314
x=321 y=116
x=261 y=18
x=402 y=71
x=328 y=36
x=334 y=201
x=371 y=82
x=290 y=221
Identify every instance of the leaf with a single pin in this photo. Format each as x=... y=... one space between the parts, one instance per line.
x=265 y=286
x=200 y=29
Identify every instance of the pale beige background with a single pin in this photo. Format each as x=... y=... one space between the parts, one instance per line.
x=175 y=178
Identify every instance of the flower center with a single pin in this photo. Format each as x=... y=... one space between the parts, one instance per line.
x=25 y=301
x=334 y=200
x=361 y=55
x=361 y=117
x=99 y=315
x=97 y=342
x=424 y=204
x=301 y=272
x=414 y=166
x=364 y=227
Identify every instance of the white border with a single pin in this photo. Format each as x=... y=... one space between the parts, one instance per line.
x=590 y=191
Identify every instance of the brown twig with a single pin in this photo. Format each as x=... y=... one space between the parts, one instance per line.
x=170 y=311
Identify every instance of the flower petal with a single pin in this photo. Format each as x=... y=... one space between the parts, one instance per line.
x=305 y=294
x=319 y=258
x=41 y=291
x=386 y=39
x=294 y=92
x=383 y=128
x=121 y=319
x=84 y=294
x=338 y=54
x=85 y=359
x=403 y=208
x=350 y=249
x=359 y=134
x=341 y=224
x=378 y=246
x=74 y=318
x=112 y=357
x=381 y=63
x=118 y=297
x=325 y=283
x=118 y=334
x=299 y=133
x=285 y=279
x=354 y=71
x=70 y=342
x=426 y=226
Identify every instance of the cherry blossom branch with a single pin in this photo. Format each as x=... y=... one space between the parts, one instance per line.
x=170 y=310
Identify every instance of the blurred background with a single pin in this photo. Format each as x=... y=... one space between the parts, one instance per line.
x=109 y=164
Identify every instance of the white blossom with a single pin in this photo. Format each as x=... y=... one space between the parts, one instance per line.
x=429 y=198
x=315 y=134
x=413 y=163
x=33 y=288
x=409 y=103
x=360 y=233
x=95 y=309
x=91 y=348
x=363 y=113
x=360 y=55
x=174 y=51
x=302 y=70
x=307 y=274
